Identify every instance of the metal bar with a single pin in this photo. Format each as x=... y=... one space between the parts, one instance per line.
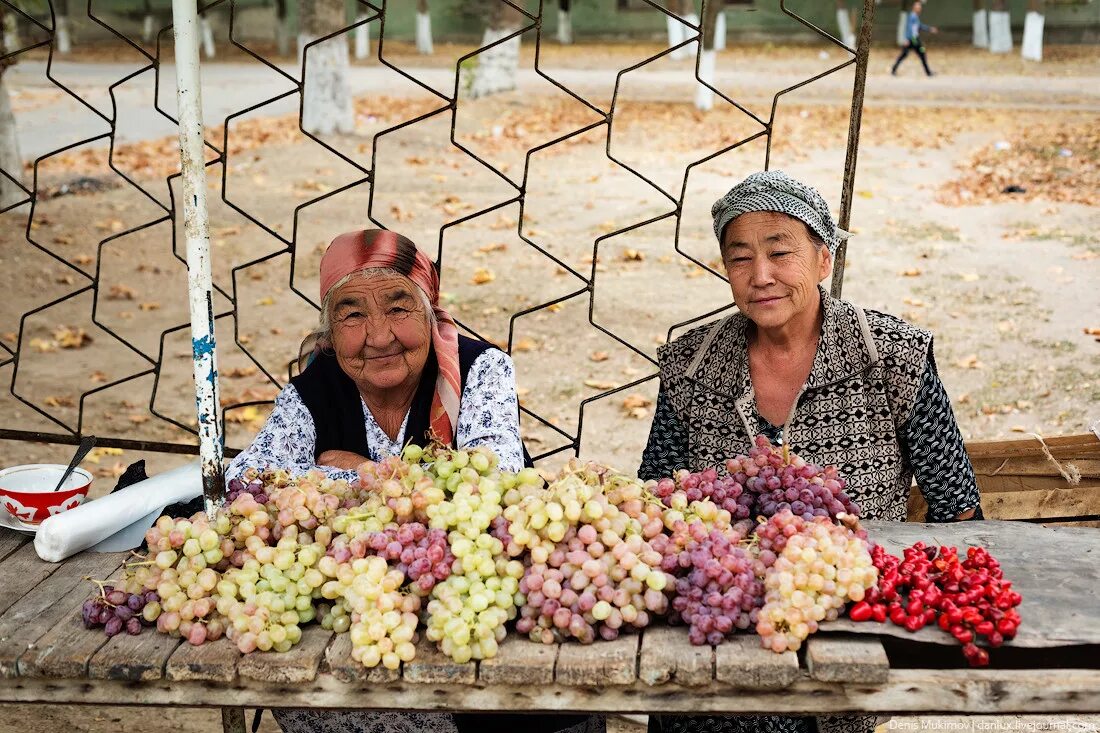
x=145 y=446
x=863 y=53
x=197 y=237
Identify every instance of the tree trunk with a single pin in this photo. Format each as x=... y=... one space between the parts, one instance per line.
x=496 y=67
x=62 y=38
x=981 y=25
x=362 y=38
x=11 y=32
x=677 y=31
x=1000 y=28
x=720 y=31
x=282 y=29
x=11 y=162
x=207 y=36
x=903 y=16
x=704 y=95
x=565 y=23
x=326 y=104
x=424 y=29
x=1031 y=47
x=844 y=23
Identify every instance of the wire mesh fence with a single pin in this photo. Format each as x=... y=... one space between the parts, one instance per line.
x=565 y=201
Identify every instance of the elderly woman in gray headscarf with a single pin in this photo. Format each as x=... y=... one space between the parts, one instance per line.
x=837 y=383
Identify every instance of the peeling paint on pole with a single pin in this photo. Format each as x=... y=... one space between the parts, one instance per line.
x=196 y=234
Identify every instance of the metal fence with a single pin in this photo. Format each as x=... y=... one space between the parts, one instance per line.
x=88 y=282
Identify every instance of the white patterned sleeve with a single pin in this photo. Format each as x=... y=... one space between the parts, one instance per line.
x=489 y=412
x=286 y=441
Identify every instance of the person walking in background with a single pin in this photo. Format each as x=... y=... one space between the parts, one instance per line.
x=913 y=27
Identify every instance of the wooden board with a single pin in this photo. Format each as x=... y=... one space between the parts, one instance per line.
x=432 y=666
x=1055 y=569
x=215 y=661
x=741 y=662
x=667 y=656
x=520 y=661
x=21 y=571
x=339 y=663
x=600 y=664
x=40 y=610
x=300 y=664
x=10 y=541
x=849 y=659
x=140 y=657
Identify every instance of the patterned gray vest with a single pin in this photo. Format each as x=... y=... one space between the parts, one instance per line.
x=861 y=390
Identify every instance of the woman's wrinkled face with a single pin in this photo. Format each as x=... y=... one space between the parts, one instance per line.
x=380 y=331
x=773 y=266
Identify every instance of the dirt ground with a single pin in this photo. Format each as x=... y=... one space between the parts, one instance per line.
x=1008 y=283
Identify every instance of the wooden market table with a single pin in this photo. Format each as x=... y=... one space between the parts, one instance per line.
x=1053 y=666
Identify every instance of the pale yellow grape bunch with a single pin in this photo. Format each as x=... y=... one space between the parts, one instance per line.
x=383 y=626
x=402 y=484
x=468 y=610
x=474 y=498
x=821 y=567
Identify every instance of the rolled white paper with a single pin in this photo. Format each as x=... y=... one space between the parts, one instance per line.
x=69 y=532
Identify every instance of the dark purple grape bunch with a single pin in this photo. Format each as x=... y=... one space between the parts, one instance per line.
x=720 y=593
x=724 y=491
x=236 y=487
x=116 y=610
x=777 y=480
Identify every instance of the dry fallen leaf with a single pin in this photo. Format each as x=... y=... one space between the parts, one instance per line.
x=400 y=213
x=71 y=338
x=494 y=247
x=482 y=276
x=911 y=272
x=525 y=344
x=121 y=292
x=97 y=376
x=635 y=405
x=266 y=300
x=598 y=384
x=238 y=372
x=150 y=306
x=969 y=362
x=599 y=356
x=138 y=419
x=114 y=471
x=56 y=401
x=42 y=345
x=970 y=277
x=1092 y=331
x=633 y=255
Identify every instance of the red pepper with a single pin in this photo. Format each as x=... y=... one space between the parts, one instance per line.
x=860 y=611
x=878 y=612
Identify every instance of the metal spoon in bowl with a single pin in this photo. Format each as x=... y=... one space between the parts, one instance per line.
x=86 y=444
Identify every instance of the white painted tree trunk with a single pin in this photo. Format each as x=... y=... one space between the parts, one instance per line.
x=720 y=32
x=327 y=106
x=704 y=96
x=692 y=48
x=362 y=38
x=207 y=37
x=282 y=34
x=675 y=36
x=11 y=33
x=844 y=22
x=10 y=160
x=496 y=67
x=424 y=34
x=62 y=37
x=1000 y=31
x=147 y=28
x=565 y=27
x=981 y=29
x=1031 y=48
x=903 y=36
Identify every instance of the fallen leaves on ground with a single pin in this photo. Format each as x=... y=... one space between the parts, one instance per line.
x=482 y=276
x=96 y=453
x=637 y=406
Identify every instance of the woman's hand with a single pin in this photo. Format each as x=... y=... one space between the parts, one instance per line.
x=340 y=459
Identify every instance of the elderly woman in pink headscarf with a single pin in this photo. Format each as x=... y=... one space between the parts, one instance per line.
x=387 y=367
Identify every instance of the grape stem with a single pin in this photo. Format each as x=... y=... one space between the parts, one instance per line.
x=102 y=590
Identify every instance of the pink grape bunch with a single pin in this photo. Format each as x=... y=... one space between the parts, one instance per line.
x=423 y=555
x=116 y=610
x=720 y=592
x=782 y=481
x=725 y=491
x=587 y=590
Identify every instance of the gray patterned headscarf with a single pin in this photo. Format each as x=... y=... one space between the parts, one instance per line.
x=776 y=191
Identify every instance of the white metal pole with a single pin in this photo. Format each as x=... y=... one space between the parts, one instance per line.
x=196 y=233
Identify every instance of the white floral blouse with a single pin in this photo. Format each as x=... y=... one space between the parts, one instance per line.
x=488 y=415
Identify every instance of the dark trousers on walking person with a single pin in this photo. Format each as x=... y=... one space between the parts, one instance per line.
x=913 y=46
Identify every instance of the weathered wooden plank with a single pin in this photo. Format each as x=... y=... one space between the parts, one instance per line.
x=520 y=661
x=10 y=541
x=602 y=663
x=667 y=656
x=432 y=666
x=300 y=664
x=1061 y=446
x=140 y=657
x=40 y=610
x=215 y=661
x=839 y=658
x=339 y=663
x=65 y=650
x=743 y=663
x=20 y=572
x=963 y=691
x=1075 y=502
x=1088 y=468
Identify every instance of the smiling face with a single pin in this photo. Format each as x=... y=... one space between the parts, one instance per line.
x=381 y=332
x=773 y=266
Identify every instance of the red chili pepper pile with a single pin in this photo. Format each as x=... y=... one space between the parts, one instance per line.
x=968 y=598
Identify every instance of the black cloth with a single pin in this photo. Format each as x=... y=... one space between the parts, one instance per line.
x=912 y=46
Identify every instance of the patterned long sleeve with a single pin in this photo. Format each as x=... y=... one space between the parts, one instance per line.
x=667 y=448
x=489 y=412
x=932 y=444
